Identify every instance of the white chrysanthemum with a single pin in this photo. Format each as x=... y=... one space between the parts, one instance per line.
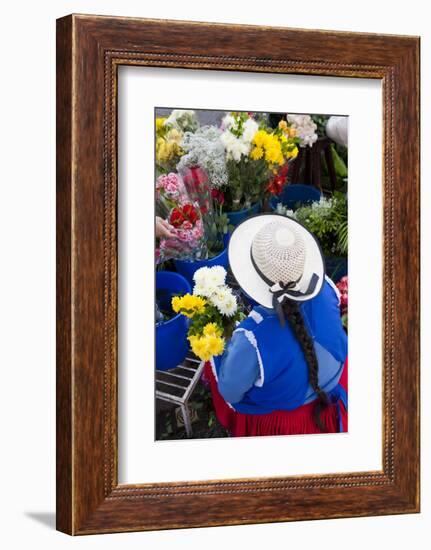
x=208 y=280
x=227 y=122
x=228 y=305
x=250 y=128
x=216 y=275
x=234 y=146
x=224 y=300
x=200 y=274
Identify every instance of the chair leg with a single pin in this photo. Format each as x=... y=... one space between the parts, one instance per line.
x=187 y=420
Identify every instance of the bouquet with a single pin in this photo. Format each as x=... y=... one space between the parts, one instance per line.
x=213 y=312
x=305 y=129
x=210 y=201
x=169 y=136
x=256 y=159
x=174 y=204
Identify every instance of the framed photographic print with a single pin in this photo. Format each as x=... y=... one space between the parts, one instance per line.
x=237 y=274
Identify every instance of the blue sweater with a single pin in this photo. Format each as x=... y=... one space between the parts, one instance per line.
x=264 y=369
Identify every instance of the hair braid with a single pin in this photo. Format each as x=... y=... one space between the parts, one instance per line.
x=297 y=324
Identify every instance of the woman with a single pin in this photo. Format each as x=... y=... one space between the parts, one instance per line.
x=284 y=370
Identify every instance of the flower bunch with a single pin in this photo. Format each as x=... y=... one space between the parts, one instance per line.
x=305 y=129
x=204 y=148
x=238 y=132
x=174 y=204
x=343 y=287
x=168 y=146
x=212 y=309
x=209 y=200
x=170 y=189
x=184 y=217
x=182 y=120
x=275 y=147
x=278 y=181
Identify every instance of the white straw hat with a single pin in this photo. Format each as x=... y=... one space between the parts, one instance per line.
x=274 y=257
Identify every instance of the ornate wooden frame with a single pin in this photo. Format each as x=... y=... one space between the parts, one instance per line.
x=89 y=51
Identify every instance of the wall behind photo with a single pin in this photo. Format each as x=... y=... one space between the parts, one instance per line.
x=27 y=274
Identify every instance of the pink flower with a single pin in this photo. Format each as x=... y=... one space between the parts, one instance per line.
x=187 y=225
x=171 y=188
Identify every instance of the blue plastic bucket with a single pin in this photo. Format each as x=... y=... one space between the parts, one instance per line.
x=235 y=218
x=188 y=268
x=171 y=336
x=294 y=195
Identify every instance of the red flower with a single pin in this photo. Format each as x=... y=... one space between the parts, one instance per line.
x=283 y=170
x=176 y=218
x=217 y=195
x=190 y=213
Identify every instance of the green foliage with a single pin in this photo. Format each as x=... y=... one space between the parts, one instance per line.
x=247 y=181
x=327 y=220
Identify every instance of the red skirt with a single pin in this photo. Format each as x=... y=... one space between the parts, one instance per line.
x=295 y=422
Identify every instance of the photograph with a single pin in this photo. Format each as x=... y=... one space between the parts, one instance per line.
x=251 y=273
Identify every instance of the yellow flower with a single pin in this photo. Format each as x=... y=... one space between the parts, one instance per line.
x=256 y=153
x=212 y=329
x=293 y=153
x=205 y=347
x=176 y=303
x=283 y=125
x=215 y=345
x=274 y=155
x=200 y=348
x=259 y=138
x=160 y=122
x=188 y=304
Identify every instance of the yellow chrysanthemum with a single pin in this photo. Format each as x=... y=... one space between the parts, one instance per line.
x=176 y=303
x=259 y=138
x=256 y=153
x=188 y=304
x=215 y=345
x=212 y=329
x=206 y=347
x=274 y=155
x=200 y=348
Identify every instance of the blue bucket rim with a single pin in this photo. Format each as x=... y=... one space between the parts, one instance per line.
x=201 y=259
x=243 y=210
x=164 y=323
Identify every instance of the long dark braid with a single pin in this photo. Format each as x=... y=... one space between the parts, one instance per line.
x=296 y=322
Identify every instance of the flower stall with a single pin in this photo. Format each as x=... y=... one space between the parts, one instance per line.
x=209 y=177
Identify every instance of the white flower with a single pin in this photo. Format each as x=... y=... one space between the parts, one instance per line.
x=305 y=128
x=224 y=301
x=227 y=122
x=217 y=275
x=182 y=119
x=250 y=128
x=234 y=146
x=200 y=274
x=209 y=280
